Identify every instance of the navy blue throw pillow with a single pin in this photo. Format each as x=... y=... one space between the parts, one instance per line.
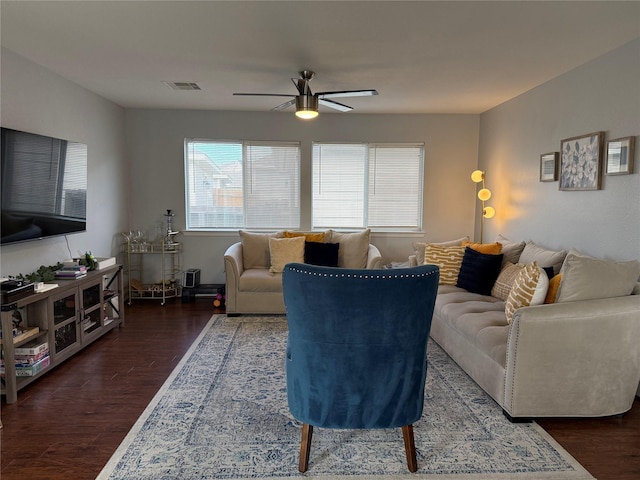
x=323 y=254
x=479 y=271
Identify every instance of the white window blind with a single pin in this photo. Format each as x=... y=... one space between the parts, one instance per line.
x=338 y=180
x=367 y=185
x=242 y=185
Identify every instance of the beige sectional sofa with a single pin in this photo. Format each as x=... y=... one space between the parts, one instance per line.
x=576 y=357
x=253 y=266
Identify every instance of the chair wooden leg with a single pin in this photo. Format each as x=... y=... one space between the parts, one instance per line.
x=305 y=447
x=410 y=448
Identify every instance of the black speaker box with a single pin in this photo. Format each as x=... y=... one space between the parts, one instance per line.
x=192 y=278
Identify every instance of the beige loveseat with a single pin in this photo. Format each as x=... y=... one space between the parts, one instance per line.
x=254 y=283
x=576 y=357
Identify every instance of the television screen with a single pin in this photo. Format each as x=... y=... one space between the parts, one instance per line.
x=44 y=186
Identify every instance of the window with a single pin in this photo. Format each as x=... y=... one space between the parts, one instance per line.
x=234 y=185
x=367 y=185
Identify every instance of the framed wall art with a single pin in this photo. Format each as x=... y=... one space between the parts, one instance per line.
x=580 y=162
x=549 y=167
x=620 y=153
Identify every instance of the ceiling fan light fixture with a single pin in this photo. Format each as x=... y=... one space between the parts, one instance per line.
x=306 y=106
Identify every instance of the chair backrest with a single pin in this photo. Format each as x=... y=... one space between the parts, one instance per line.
x=356 y=351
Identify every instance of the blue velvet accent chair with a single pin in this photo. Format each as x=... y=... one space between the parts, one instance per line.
x=357 y=348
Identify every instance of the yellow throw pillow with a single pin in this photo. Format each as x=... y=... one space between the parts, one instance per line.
x=448 y=259
x=285 y=250
x=554 y=285
x=420 y=246
x=310 y=237
x=489 y=248
x=530 y=288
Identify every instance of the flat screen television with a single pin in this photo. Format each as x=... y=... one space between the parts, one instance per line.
x=44 y=186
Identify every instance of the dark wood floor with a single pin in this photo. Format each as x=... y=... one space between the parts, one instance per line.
x=67 y=424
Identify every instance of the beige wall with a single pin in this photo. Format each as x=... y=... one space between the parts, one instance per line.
x=131 y=185
x=34 y=99
x=155 y=145
x=603 y=95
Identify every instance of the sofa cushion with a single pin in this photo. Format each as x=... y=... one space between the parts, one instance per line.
x=478 y=318
x=260 y=280
x=530 y=288
x=448 y=259
x=587 y=278
x=285 y=250
x=490 y=248
x=510 y=250
x=506 y=279
x=354 y=248
x=542 y=256
x=323 y=254
x=255 y=248
x=419 y=247
x=479 y=271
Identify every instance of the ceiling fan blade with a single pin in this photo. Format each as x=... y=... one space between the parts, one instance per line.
x=266 y=94
x=347 y=93
x=284 y=105
x=336 y=105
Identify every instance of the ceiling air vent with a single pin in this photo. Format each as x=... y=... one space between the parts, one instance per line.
x=182 y=85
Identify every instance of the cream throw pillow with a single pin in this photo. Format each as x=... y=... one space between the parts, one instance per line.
x=448 y=259
x=542 y=256
x=530 y=288
x=511 y=251
x=587 y=278
x=505 y=281
x=285 y=250
x=255 y=248
x=354 y=248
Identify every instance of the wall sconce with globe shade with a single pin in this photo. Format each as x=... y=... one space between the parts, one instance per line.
x=484 y=194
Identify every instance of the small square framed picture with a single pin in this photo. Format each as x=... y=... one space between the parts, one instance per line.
x=620 y=153
x=549 y=167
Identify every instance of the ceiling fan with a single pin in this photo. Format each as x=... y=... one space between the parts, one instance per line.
x=307 y=102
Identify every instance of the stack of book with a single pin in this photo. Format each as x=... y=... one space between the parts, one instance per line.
x=30 y=359
x=69 y=272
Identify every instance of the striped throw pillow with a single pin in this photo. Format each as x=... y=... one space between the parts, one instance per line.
x=448 y=259
x=505 y=281
x=530 y=288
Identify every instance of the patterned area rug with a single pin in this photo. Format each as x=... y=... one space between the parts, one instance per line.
x=223 y=414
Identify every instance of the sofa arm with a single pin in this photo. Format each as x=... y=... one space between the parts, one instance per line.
x=233 y=268
x=574 y=358
x=374 y=259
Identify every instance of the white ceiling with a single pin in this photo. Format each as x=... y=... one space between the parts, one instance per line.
x=422 y=56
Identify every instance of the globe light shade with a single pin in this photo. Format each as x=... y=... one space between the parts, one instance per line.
x=477 y=176
x=489 y=212
x=484 y=194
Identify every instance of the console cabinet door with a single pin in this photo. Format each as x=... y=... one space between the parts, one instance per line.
x=65 y=319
